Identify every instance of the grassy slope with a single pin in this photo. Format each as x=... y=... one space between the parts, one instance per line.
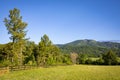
x=76 y=72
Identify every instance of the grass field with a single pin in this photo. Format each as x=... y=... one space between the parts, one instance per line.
x=75 y=72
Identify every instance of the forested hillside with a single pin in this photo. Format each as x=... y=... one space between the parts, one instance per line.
x=90 y=47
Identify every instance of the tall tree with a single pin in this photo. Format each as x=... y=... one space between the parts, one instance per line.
x=48 y=53
x=44 y=46
x=16 y=27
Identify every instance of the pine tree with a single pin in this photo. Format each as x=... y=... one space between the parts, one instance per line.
x=16 y=27
x=43 y=46
x=48 y=53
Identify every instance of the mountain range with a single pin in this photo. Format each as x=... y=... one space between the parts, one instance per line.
x=115 y=41
x=88 y=46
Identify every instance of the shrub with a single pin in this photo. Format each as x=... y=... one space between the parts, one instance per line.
x=89 y=61
x=99 y=61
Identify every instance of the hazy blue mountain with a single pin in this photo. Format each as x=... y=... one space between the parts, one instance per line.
x=116 y=41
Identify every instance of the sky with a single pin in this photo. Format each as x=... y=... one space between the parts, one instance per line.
x=65 y=20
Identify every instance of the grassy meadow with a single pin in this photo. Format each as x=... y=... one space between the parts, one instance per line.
x=74 y=72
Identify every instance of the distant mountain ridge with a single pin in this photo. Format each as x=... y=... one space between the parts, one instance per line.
x=89 y=42
x=82 y=42
x=116 y=41
x=90 y=46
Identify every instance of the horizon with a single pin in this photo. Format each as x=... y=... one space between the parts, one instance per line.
x=65 y=21
x=116 y=41
x=113 y=41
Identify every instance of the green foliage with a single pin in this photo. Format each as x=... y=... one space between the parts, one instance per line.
x=91 y=47
x=6 y=63
x=29 y=54
x=16 y=27
x=110 y=58
x=99 y=61
x=82 y=58
x=6 y=54
x=89 y=61
x=66 y=59
x=47 y=53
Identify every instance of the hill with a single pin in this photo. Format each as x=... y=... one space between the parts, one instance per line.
x=90 y=47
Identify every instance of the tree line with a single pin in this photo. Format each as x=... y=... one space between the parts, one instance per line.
x=21 y=51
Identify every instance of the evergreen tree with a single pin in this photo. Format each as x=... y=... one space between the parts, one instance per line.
x=48 y=53
x=16 y=27
x=110 y=58
x=43 y=54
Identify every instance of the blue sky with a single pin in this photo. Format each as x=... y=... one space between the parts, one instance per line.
x=65 y=20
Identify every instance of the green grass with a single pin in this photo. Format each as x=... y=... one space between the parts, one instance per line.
x=75 y=72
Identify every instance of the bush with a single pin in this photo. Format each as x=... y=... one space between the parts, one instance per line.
x=89 y=61
x=82 y=58
x=6 y=63
x=99 y=61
